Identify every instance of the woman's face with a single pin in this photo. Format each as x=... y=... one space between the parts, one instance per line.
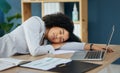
x=57 y=35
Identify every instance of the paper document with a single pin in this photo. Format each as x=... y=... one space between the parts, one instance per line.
x=46 y=63
x=63 y=51
x=6 y=63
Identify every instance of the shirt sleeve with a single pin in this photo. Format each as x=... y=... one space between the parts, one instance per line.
x=76 y=46
x=34 y=29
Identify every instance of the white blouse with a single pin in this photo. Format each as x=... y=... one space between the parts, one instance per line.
x=26 y=39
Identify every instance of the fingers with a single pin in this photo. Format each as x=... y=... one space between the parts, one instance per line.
x=109 y=50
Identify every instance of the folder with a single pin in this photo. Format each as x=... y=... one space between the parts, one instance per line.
x=74 y=67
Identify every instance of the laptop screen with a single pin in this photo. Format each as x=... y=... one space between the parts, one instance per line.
x=113 y=29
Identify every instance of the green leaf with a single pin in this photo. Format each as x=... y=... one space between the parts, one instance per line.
x=10 y=18
x=4 y=6
x=6 y=27
x=18 y=16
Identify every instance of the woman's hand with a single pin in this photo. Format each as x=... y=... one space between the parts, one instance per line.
x=57 y=45
x=96 y=47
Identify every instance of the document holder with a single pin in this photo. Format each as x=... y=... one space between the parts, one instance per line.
x=74 y=67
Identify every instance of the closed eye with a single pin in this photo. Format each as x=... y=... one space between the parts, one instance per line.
x=60 y=32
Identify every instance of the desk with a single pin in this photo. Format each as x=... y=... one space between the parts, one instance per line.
x=110 y=57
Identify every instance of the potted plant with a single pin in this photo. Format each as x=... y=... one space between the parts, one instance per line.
x=6 y=24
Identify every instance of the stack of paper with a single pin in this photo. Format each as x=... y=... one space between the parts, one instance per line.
x=50 y=8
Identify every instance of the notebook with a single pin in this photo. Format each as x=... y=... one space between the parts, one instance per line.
x=74 y=67
x=6 y=63
x=46 y=63
x=92 y=55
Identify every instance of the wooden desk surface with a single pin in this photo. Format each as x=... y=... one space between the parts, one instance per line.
x=110 y=57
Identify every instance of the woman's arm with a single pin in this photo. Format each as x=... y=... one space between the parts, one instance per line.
x=34 y=29
x=77 y=46
x=57 y=46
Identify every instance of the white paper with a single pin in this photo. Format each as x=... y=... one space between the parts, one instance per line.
x=46 y=63
x=63 y=51
x=5 y=65
x=12 y=60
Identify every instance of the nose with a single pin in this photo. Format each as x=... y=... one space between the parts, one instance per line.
x=60 y=37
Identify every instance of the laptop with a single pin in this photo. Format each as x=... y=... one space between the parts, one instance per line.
x=92 y=55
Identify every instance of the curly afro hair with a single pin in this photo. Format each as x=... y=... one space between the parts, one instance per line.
x=58 y=20
x=63 y=21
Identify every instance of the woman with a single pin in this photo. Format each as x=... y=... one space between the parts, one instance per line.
x=33 y=36
x=61 y=20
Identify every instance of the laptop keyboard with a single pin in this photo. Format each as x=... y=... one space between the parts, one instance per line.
x=94 y=54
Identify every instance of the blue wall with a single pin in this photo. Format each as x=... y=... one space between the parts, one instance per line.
x=102 y=14
x=16 y=8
